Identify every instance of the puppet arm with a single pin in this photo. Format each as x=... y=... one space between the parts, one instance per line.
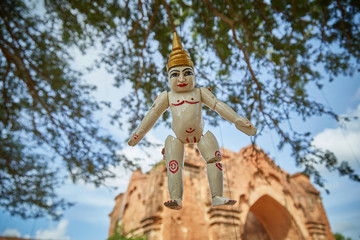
x=157 y=109
x=242 y=124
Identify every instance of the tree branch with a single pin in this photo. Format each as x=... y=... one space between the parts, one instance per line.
x=219 y=14
x=151 y=23
x=169 y=14
x=5 y=95
x=260 y=9
x=240 y=46
x=343 y=26
x=25 y=76
x=139 y=20
x=242 y=22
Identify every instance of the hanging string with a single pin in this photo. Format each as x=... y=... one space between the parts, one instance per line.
x=277 y=161
x=180 y=16
x=33 y=227
x=228 y=184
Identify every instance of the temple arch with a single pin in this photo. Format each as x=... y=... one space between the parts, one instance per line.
x=267 y=219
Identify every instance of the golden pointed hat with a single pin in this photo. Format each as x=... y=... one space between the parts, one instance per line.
x=178 y=56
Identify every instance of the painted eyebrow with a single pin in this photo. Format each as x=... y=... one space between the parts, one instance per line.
x=173 y=71
x=186 y=69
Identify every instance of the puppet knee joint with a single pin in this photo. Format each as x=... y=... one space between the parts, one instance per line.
x=209 y=148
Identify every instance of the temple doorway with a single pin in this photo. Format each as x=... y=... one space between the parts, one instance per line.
x=267 y=219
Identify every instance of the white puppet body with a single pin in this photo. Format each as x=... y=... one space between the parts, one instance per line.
x=185 y=102
x=187 y=121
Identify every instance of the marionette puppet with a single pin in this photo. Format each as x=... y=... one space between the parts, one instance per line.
x=185 y=103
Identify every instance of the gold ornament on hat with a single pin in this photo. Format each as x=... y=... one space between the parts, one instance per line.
x=178 y=56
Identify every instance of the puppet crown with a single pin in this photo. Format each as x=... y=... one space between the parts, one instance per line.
x=178 y=56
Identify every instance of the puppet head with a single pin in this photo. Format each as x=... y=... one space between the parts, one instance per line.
x=181 y=73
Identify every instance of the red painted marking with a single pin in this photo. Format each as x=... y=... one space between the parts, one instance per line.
x=178 y=104
x=182 y=85
x=192 y=102
x=190 y=131
x=173 y=166
x=182 y=102
x=218 y=154
x=219 y=166
x=209 y=89
x=194 y=139
x=187 y=140
x=192 y=98
x=136 y=136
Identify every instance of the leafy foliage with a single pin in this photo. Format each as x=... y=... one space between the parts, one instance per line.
x=339 y=236
x=258 y=56
x=261 y=57
x=118 y=235
x=46 y=114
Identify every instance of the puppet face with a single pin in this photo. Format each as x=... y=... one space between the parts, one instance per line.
x=181 y=79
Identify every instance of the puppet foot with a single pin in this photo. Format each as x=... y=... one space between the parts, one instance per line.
x=173 y=204
x=217 y=201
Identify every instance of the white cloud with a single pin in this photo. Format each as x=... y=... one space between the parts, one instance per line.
x=148 y=156
x=343 y=141
x=101 y=200
x=58 y=232
x=11 y=232
x=88 y=194
x=85 y=194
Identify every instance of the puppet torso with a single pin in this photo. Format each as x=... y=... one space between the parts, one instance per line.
x=187 y=122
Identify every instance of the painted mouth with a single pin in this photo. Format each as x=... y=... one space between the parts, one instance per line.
x=190 y=131
x=182 y=84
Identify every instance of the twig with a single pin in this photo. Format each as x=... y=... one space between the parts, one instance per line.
x=5 y=95
x=139 y=20
x=240 y=46
x=151 y=23
x=343 y=26
x=26 y=77
x=220 y=15
x=169 y=14
x=241 y=21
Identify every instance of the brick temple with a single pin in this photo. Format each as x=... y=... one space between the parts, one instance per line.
x=272 y=204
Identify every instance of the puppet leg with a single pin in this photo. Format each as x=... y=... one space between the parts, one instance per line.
x=174 y=159
x=209 y=149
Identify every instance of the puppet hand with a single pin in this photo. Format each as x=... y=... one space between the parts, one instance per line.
x=136 y=137
x=245 y=126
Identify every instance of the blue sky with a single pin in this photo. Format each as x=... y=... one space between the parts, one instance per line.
x=89 y=220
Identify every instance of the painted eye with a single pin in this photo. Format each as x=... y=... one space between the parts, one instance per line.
x=174 y=75
x=188 y=73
